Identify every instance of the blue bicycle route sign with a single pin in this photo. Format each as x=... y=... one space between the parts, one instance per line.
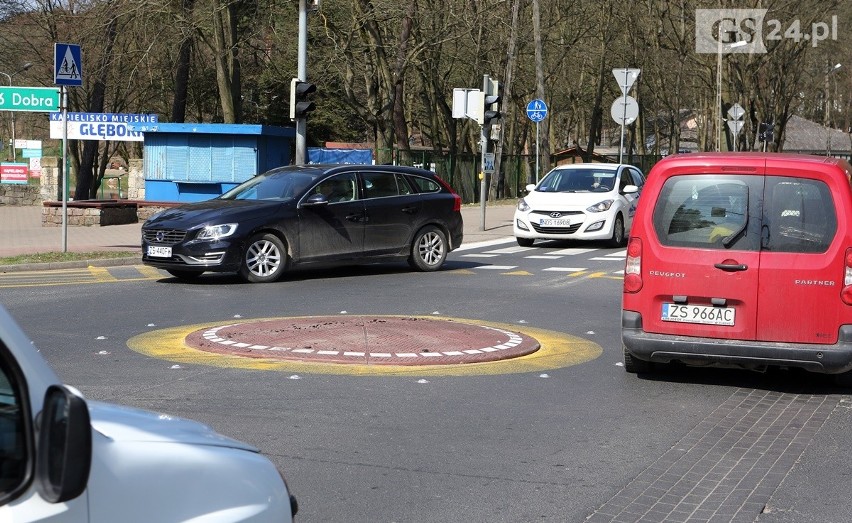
x=537 y=110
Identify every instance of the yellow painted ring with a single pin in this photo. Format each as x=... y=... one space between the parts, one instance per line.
x=557 y=350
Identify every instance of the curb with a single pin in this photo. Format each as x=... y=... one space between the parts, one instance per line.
x=80 y=264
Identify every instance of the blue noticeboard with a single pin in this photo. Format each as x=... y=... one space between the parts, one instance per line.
x=537 y=110
x=67 y=65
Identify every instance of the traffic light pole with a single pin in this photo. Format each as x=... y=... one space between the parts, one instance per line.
x=302 y=122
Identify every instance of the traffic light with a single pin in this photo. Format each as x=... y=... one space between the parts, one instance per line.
x=300 y=106
x=765 y=132
x=490 y=104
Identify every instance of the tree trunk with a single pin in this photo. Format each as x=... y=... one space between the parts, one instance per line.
x=87 y=182
x=182 y=70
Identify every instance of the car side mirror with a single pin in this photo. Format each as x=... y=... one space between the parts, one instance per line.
x=64 y=445
x=315 y=200
x=630 y=189
x=530 y=187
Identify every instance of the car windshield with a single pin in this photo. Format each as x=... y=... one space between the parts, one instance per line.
x=274 y=185
x=578 y=180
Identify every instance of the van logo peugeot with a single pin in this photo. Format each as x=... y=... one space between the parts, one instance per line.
x=555 y=214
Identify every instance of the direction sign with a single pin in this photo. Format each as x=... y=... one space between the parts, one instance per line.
x=624 y=110
x=67 y=65
x=33 y=99
x=537 y=110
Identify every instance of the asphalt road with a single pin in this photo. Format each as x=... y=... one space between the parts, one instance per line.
x=555 y=444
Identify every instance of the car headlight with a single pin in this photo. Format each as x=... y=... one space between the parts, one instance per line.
x=522 y=205
x=601 y=206
x=217 y=232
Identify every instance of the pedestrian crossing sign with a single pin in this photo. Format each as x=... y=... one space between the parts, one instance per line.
x=67 y=65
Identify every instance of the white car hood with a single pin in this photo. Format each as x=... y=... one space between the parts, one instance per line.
x=121 y=423
x=563 y=200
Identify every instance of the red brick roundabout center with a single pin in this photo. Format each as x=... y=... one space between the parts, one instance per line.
x=364 y=340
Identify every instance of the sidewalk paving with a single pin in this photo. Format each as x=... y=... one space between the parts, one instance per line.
x=21 y=232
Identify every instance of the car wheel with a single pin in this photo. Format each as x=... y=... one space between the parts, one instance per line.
x=525 y=242
x=429 y=249
x=634 y=365
x=184 y=275
x=264 y=259
x=617 y=239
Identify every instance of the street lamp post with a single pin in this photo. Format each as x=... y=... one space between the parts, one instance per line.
x=826 y=119
x=9 y=77
x=721 y=120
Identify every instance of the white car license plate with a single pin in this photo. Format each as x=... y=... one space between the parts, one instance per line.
x=159 y=252
x=698 y=314
x=555 y=222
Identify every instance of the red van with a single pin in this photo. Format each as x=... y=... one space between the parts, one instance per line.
x=741 y=260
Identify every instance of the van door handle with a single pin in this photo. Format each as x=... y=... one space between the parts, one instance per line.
x=409 y=210
x=731 y=267
x=357 y=218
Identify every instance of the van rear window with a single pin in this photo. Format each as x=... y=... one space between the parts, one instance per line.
x=739 y=212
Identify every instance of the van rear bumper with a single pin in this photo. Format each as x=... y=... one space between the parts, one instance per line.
x=665 y=348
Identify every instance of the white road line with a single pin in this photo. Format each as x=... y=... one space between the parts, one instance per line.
x=485 y=243
x=570 y=252
x=510 y=250
x=606 y=259
x=497 y=267
x=543 y=257
x=565 y=269
x=480 y=255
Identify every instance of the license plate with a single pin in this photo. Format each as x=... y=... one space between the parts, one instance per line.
x=555 y=222
x=159 y=252
x=698 y=314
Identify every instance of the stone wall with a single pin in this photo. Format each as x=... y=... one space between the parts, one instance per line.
x=88 y=214
x=19 y=194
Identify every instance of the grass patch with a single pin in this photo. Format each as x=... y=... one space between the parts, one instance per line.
x=51 y=257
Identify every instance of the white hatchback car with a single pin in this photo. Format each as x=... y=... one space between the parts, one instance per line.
x=588 y=201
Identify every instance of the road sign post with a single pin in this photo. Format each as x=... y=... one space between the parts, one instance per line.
x=536 y=111
x=67 y=71
x=625 y=110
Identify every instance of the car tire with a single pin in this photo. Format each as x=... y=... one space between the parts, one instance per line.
x=264 y=259
x=618 y=236
x=524 y=242
x=429 y=249
x=634 y=365
x=184 y=275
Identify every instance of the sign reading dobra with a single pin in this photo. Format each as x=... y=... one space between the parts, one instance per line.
x=100 y=126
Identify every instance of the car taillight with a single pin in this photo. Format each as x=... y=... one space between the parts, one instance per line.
x=846 y=293
x=456 y=198
x=633 y=266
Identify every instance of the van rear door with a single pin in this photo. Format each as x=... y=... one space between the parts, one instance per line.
x=705 y=266
x=802 y=254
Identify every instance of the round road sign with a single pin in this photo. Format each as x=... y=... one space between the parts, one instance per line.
x=625 y=110
x=537 y=110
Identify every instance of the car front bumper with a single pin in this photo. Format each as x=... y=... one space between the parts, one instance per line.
x=662 y=348
x=524 y=227
x=220 y=256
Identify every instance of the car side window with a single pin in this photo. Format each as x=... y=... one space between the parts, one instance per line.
x=625 y=180
x=380 y=185
x=638 y=179
x=14 y=429
x=711 y=212
x=799 y=215
x=339 y=188
x=425 y=184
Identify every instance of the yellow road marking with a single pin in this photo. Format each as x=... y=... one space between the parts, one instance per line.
x=517 y=273
x=557 y=350
x=102 y=274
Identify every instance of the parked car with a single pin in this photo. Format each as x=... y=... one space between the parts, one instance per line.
x=63 y=458
x=591 y=201
x=741 y=260
x=309 y=215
